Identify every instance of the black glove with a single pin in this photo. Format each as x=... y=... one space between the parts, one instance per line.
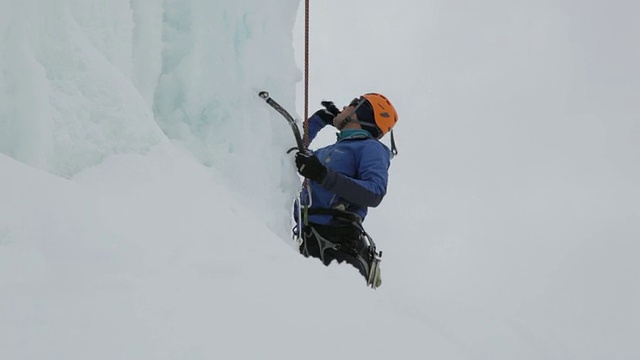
x=328 y=113
x=310 y=167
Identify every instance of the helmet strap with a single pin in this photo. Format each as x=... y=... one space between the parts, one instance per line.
x=394 y=149
x=344 y=122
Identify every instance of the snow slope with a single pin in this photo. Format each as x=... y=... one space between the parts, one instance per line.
x=112 y=265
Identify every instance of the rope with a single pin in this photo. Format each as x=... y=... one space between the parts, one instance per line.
x=306 y=94
x=303 y=213
x=306 y=74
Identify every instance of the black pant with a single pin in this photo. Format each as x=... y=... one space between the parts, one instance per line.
x=340 y=243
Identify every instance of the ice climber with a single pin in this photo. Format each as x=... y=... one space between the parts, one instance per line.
x=345 y=179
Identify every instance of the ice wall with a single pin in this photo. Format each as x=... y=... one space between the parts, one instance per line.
x=81 y=80
x=67 y=99
x=215 y=56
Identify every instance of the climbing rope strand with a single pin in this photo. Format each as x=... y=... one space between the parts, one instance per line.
x=306 y=74
x=306 y=85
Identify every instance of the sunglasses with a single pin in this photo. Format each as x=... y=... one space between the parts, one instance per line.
x=355 y=103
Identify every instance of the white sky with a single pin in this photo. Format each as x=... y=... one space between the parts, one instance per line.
x=517 y=184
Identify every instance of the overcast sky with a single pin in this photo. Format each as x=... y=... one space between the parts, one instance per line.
x=493 y=89
x=519 y=138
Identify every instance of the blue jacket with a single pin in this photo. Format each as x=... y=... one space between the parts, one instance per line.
x=357 y=173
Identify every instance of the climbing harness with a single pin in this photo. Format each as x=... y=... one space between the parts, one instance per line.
x=369 y=259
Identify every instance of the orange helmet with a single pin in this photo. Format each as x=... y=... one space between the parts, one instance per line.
x=384 y=114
